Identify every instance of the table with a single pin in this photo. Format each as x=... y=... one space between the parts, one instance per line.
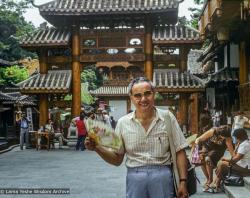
x=38 y=139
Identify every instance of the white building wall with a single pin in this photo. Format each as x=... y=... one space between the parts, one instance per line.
x=118 y=108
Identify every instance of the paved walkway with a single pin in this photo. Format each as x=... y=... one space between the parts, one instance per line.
x=84 y=173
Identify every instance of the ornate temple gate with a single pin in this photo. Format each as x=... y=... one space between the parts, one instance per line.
x=110 y=32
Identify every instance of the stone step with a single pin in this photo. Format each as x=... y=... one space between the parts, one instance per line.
x=247 y=182
x=237 y=191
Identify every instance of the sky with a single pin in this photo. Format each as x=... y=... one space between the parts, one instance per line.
x=34 y=16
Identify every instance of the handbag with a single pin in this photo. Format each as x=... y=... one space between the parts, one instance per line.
x=233 y=179
x=191 y=177
x=195 y=157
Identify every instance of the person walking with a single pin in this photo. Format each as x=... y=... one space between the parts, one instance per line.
x=23 y=121
x=144 y=133
x=82 y=132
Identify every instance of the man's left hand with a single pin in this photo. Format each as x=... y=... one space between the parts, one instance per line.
x=182 y=190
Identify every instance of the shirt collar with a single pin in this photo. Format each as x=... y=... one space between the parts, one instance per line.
x=158 y=114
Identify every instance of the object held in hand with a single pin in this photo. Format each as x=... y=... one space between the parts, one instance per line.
x=104 y=135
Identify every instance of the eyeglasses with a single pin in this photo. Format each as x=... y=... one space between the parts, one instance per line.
x=146 y=94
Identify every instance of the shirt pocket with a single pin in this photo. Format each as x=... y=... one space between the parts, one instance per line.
x=159 y=144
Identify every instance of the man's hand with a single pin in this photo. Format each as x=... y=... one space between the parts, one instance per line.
x=182 y=190
x=90 y=144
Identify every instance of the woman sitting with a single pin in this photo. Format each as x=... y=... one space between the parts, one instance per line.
x=240 y=162
x=214 y=143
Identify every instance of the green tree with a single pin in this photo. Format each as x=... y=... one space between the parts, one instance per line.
x=13 y=28
x=196 y=12
x=92 y=76
x=12 y=75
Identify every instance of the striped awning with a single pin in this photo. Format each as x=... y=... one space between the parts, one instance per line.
x=47 y=37
x=111 y=91
x=175 y=33
x=88 y=7
x=56 y=81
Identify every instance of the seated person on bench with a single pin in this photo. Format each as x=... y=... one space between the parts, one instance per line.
x=55 y=134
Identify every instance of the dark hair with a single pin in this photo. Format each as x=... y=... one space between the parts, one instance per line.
x=240 y=134
x=82 y=115
x=137 y=81
x=224 y=131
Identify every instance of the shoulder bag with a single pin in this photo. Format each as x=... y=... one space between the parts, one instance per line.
x=191 y=177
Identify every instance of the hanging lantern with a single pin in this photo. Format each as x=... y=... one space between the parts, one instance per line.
x=223 y=34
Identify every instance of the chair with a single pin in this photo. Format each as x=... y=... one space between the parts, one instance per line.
x=40 y=144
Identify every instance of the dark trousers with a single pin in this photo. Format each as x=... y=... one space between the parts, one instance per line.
x=80 y=142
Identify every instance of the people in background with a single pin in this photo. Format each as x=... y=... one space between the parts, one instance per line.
x=113 y=122
x=214 y=143
x=239 y=121
x=216 y=118
x=82 y=132
x=240 y=162
x=23 y=122
x=55 y=133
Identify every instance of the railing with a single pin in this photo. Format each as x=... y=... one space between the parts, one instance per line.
x=116 y=82
x=244 y=94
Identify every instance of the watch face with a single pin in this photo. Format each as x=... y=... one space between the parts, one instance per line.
x=112 y=51
x=89 y=42
x=135 y=41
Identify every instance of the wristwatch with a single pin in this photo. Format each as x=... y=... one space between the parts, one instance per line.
x=183 y=180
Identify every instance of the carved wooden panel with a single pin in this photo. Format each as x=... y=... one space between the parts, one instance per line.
x=113 y=57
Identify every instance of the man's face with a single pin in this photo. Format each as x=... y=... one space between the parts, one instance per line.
x=142 y=96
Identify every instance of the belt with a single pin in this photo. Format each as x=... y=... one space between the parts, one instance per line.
x=148 y=167
x=24 y=128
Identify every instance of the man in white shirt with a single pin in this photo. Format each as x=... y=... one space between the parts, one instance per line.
x=145 y=135
x=239 y=121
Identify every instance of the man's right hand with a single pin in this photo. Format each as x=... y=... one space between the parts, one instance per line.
x=90 y=144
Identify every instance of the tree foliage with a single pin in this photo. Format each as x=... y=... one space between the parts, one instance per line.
x=92 y=76
x=196 y=12
x=13 y=28
x=12 y=75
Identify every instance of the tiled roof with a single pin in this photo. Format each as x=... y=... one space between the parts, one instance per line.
x=170 y=81
x=111 y=91
x=78 y=7
x=224 y=74
x=174 y=80
x=47 y=37
x=175 y=33
x=56 y=81
x=61 y=37
x=16 y=98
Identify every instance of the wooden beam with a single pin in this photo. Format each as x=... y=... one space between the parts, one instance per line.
x=76 y=72
x=183 y=58
x=43 y=109
x=43 y=67
x=183 y=109
x=243 y=64
x=194 y=113
x=148 y=48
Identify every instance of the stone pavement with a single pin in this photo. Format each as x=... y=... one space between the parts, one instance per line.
x=86 y=174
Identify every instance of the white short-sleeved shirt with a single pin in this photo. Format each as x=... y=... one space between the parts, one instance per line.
x=239 y=122
x=244 y=149
x=149 y=147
